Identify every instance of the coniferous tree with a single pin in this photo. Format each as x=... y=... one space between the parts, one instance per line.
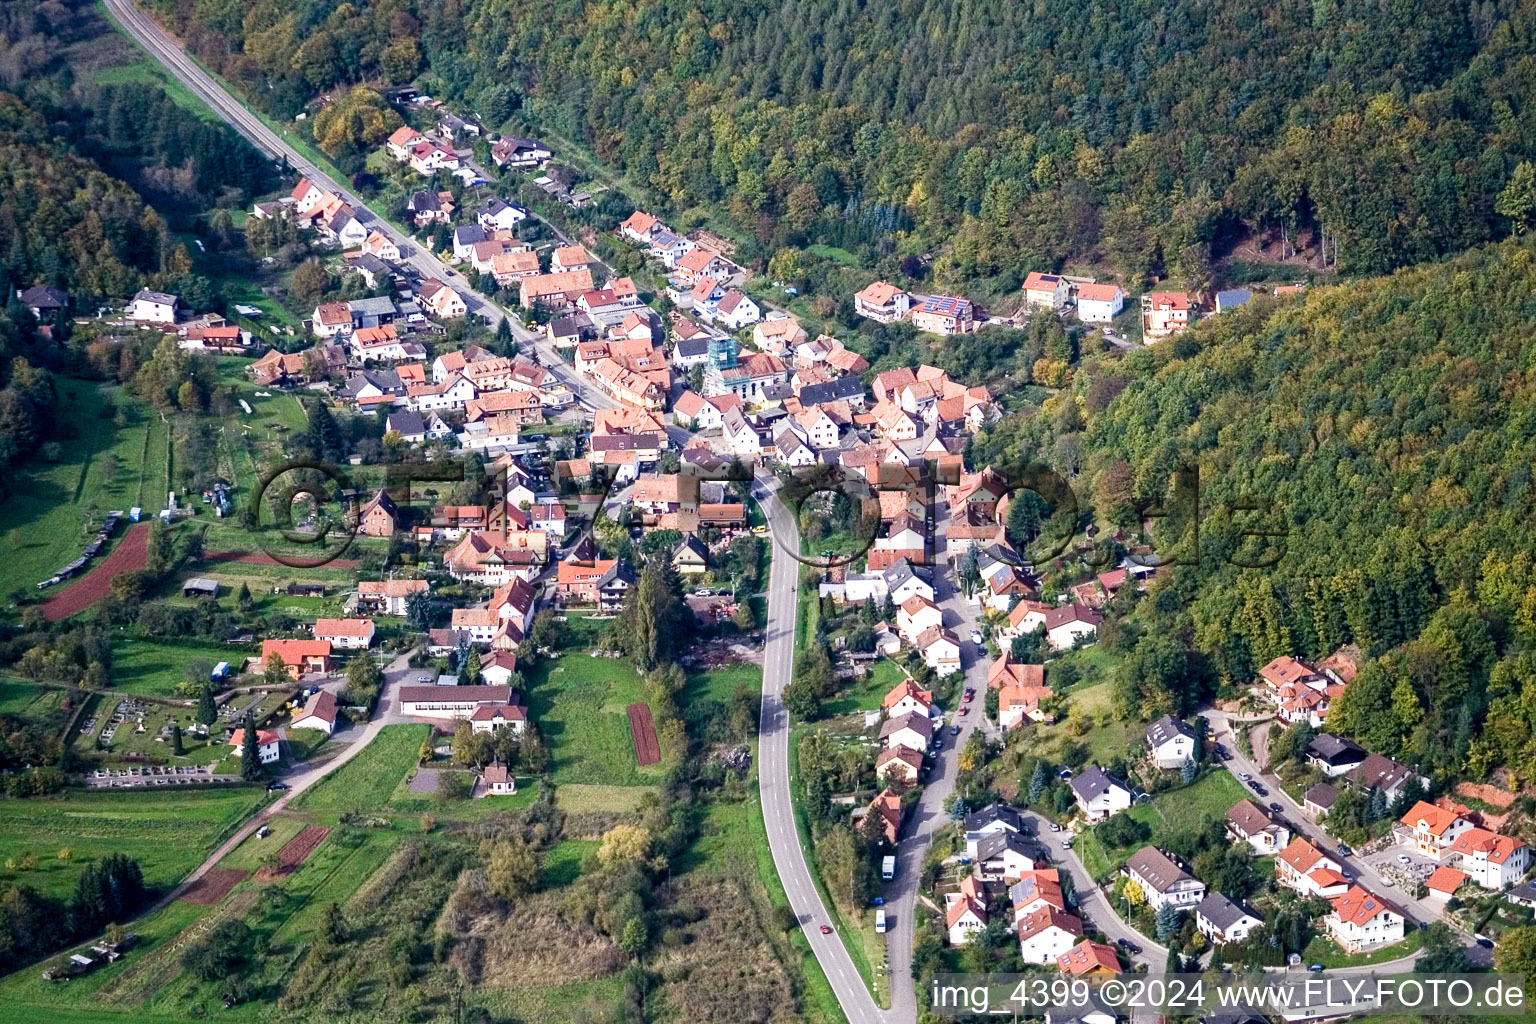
x=250 y=752
x=207 y=713
x=324 y=434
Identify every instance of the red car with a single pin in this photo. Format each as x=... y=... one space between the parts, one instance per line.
x=826 y=929
x=965 y=711
x=969 y=696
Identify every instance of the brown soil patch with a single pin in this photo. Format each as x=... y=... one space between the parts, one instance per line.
x=643 y=732
x=130 y=553
x=213 y=886
x=294 y=852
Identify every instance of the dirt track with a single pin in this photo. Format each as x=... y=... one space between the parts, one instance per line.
x=130 y=553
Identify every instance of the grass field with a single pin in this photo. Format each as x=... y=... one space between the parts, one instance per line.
x=168 y=832
x=146 y=666
x=33 y=704
x=44 y=517
x=579 y=703
x=367 y=781
x=1211 y=795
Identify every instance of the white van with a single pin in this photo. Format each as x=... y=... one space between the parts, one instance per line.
x=880 y=921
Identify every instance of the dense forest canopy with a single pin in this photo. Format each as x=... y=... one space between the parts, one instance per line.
x=1387 y=429
x=1012 y=136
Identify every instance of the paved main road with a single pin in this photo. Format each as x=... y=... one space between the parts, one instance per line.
x=773 y=783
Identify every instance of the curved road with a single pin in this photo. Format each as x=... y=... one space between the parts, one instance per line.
x=167 y=50
x=773 y=784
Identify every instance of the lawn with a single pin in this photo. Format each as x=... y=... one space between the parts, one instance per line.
x=562 y=864
x=1211 y=795
x=145 y=73
x=366 y=782
x=253 y=850
x=866 y=694
x=33 y=704
x=1323 y=950
x=42 y=522
x=154 y=669
x=578 y=702
x=721 y=683
x=168 y=832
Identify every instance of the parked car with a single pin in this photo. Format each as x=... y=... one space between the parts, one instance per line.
x=964 y=710
x=1316 y=968
x=1065 y=773
x=877 y=901
x=1403 y=858
x=1276 y=808
x=968 y=696
x=276 y=786
x=1258 y=788
x=1055 y=827
x=423 y=679
x=1244 y=777
x=976 y=637
x=954 y=730
x=1345 y=851
x=1128 y=946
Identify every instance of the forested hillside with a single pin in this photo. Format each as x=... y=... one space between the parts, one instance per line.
x=1011 y=136
x=1387 y=428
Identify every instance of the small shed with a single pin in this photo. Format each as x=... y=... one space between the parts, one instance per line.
x=200 y=587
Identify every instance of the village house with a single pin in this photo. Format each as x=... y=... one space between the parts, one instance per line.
x=1493 y=861
x=940 y=649
x=1047 y=934
x=443 y=301
x=888 y=806
x=1361 y=920
x=1248 y=823
x=944 y=314
x=1089 y=959
x=388 y=597
x=913 y=731
x=1162 y=880
x=898 y=765
x=1334 y=755
x=1163 y=314
x=882 y=302
x=1171 y=742
x=1004 y=856
x=1305 y=868
x=1319 y=800
x=1067 y=626
x=1047 y=291
x=601 y=582
x=778 y=334
x=1037 y=888
x=319 y=713
x=1222 y=921
x=993 y=819
x=736 y=310
x=907 y=698
x=380 y=517
x=450 y=703
x=346 y=634
x=554 y=290
x=267 y=744
x=300 y=657
x=517 y=152
x=915 y=615
x=491 y=717
x=149 y=307
x=1099 y=303
x=499 y=215
x=1099 y=794
x=965 y=912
